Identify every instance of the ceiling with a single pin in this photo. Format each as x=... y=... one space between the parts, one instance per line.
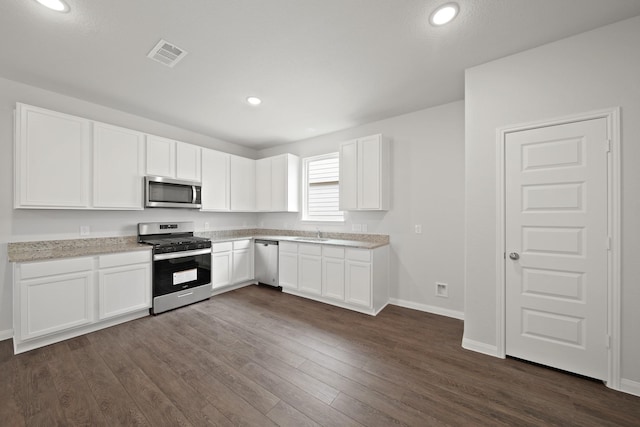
x=318 y=65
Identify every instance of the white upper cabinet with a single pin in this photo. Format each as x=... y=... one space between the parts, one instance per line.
x=277 y=183
x=118 y=167
x=188 y=161
x=173 y=159
x=263 y=184
x=243 y=184
x=161 y=156
x=216 y=191
x=52 y=159
x=364 y=174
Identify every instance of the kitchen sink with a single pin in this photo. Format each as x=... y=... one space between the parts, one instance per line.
x=311 y=239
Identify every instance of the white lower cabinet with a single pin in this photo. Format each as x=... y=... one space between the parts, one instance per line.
x=221 y=264
x=288 y=265
x=124 y=283
x=242 y=261
x=357 y=279
x=54 y=296
x=333 y=272
x=310 y=268
x=60 y=299
x=231 y=263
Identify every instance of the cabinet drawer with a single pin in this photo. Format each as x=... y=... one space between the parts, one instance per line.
x=358 y=255
x=125 y=258
x=241 y=244
x=221 y=247
x=289 y=247
x=52 y=268
x=333 y=252
x=310 y=249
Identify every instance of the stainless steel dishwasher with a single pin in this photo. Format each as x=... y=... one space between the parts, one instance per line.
x=266 y=263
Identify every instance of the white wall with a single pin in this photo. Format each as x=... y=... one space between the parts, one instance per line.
x=28 y=224
x=427 y=188
x=592 y=71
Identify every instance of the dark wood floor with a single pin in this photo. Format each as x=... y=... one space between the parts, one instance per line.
x=261 y=358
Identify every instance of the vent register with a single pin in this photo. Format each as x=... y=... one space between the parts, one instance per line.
x=167 y=53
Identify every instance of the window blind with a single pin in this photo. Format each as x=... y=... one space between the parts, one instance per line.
x=323 y=188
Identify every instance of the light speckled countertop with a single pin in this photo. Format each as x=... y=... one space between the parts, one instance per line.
x=57 y=249
x=353 y=240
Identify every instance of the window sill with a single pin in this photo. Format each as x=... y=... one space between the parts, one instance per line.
x=323 y=221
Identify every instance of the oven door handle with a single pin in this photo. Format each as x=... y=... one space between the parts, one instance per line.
x=182 y=254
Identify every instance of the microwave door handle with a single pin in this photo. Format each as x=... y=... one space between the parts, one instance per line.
x=193 y=191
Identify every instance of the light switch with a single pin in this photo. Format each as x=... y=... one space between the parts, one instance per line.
x=418 y=228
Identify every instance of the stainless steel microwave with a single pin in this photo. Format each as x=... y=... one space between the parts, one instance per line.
x=163 y=192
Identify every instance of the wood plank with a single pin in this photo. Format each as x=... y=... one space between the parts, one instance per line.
x=74 y=394
x=257 y=357
x=150 y=399
x=287 y=416
x=114 y=401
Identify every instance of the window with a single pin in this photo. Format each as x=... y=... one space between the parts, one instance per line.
x=321 y=188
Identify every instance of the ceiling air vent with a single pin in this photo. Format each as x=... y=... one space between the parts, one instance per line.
x=167 y=53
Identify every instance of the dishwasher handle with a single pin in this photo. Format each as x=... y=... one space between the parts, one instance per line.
x=266 y=242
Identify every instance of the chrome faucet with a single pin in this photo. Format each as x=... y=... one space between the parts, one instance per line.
x=318 y=234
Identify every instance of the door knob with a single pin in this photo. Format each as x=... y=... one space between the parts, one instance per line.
x=514 y=255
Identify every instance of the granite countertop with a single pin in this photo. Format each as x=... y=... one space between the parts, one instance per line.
x=326 y=241
x=353 y=240
x=57 y=249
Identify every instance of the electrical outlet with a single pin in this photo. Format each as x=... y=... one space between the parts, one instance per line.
x=418 y=228
x=85 y=230
x=442 y=290
x=356 y=227
x=206 y=226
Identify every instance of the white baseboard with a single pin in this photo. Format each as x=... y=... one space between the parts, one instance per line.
x=480 y=347
x=427 y=308
x=5 y=335
x=629 y=386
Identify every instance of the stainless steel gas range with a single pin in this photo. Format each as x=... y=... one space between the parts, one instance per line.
x=181 y=264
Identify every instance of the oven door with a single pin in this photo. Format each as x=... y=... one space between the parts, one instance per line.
x=177 y=271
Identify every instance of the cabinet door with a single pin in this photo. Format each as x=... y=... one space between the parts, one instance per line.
x=333 y=278
x=161 y=156
x=241 y=265
x=369 y=171
x=215 y=180
x=358 y=282
x=55 y=303
x=310 y=273
x=288 y=270
x=118 y=158
x=243 y=184
x=221 y=267
x=264 y=187
x=279 y=183
x=188 y=165
x=349 y=175
x=52 y=168
x=124 y=290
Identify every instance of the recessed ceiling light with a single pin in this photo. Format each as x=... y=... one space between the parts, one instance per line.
x=444 y=14
x=57 y=5
x=253 y=100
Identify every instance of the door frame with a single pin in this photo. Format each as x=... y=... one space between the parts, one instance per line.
x=612 y=117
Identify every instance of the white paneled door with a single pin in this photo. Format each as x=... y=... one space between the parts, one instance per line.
x=556 y=246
